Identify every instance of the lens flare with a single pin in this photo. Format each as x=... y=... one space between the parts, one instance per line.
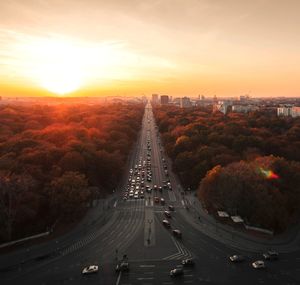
x=269 y=174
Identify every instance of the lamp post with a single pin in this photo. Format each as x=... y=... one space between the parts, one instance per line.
x=149 y=231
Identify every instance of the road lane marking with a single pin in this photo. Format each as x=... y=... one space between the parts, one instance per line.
x=119 y=277
x=147 y=265
x=145 y=278
x=182 y=202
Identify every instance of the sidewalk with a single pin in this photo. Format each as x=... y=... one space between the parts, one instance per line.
x=287 y=242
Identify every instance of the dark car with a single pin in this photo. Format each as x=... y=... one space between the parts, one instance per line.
x=122 y=266
x=166 y=223
x=176 y=272
x=188 y=262
x=177 y=233
x=167 y=214
x=270 y=255
x=171 y=208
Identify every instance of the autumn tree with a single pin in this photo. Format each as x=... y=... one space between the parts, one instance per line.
x=69 y=194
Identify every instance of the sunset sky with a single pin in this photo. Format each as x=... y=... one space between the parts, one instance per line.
x=134 y=47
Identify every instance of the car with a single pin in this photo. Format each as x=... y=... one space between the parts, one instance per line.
x=160 y=189
x=162 y=201
x=258 y=264
x=166 y=223
x=270 y=255
x=188 y=262
x=167 y=214
x=176 y=272
x=156 y=199
x=177 y=233
x=236 y=258
x=90 y=269
x=122 y=266
x=171 y=208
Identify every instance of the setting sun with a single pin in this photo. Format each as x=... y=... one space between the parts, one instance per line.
x=56 y=66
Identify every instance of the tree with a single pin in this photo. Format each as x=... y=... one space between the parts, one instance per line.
x=265 y=191
x=13 y=192
x=69 y=194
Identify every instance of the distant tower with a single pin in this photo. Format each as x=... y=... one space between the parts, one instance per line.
x=155 y=98
x=164 y=99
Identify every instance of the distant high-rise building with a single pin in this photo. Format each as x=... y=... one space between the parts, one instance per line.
x=295 y=112
x=221 y=106
x=288 y=110
x=155 y=98
x=185 y=102
x=164 y=99
x=284 y=110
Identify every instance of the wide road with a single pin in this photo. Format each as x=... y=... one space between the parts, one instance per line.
x=134 y=228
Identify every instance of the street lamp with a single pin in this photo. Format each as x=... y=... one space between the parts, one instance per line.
x=149 y=231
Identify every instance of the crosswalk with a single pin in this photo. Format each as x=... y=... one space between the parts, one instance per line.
x=182 y=252
x=123 y=221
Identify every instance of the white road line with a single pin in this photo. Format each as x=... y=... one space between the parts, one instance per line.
x=119 y=277
x=115 y=204
x=147 y=265
x=182 y=202
x=145 y=278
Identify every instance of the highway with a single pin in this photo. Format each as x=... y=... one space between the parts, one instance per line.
x=133 y=228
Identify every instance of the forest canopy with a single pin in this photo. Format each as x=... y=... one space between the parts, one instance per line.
x=52 y=156
x=222 y=152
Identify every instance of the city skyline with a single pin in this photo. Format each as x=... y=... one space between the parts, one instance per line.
x=180 y=48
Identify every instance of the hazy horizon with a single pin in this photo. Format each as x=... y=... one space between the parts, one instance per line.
x=130 y=48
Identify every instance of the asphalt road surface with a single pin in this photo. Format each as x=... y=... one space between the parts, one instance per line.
x=133 y=228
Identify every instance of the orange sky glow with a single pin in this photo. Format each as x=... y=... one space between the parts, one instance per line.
x=134 y=47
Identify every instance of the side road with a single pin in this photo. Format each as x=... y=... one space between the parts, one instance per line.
x=288 y=242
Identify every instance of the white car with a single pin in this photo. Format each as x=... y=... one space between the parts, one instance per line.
x=90 y=269
x=258 y=264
